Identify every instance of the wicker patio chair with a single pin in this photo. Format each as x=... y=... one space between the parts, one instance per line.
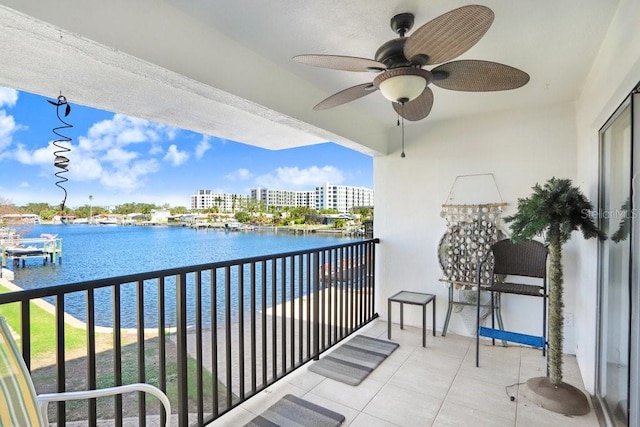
x=511 y=260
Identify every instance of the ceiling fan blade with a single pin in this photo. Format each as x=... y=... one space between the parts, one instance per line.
x=337 y=62
x=346 y=95
x=417 y=109
x=450 y=35
x=478 y=76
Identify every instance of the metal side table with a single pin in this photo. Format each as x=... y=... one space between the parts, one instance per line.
x=413 y=298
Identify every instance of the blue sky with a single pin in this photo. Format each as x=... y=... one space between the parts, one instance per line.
x=119 y=159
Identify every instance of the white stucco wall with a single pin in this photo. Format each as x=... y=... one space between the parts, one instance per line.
x=520 y=148
x=615 y=72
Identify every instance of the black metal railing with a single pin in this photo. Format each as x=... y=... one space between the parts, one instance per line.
x=211 y=336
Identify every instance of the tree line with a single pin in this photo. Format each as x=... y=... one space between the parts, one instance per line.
x=250 y=211
x=47 y=211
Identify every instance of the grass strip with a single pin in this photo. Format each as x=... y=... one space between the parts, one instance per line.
x=43 y=330
x=43 y=345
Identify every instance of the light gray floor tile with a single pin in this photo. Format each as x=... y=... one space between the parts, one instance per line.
x=366 y=420
x=403 y=407
x=350 y=414
x=271 y=395
x=429 y=380
x=454 y=415
x=482 y=395
x=530 y=414
x=438 y=385
x=304 y=379
x=235 y=418
x=354 y=397
x=385 y=371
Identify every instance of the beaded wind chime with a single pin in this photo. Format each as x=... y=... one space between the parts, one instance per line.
x=471 y=230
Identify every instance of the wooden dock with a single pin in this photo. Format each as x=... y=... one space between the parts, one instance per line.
x=48 y=249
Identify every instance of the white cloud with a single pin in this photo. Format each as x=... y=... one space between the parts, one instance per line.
x=156 y=149
x=119 y=153
x=86 y=169
x=82 y=165
x=39 y=156
x=122 y=130
x=129 y=178
x=7 y=129
x=119 y=157
x=296 y=178
x=106 y=153
x=203 y=146
x=8 y=97
x=241 y=174
x=175 y=156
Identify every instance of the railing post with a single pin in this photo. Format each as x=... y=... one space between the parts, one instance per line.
x=332 y=303
x=25 y=325
x=316 y=305
x=181 y=344
x=60 y=359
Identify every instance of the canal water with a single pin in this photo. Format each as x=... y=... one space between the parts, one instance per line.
x=97 y=252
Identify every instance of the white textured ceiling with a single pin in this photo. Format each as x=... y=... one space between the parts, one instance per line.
x=224 y=67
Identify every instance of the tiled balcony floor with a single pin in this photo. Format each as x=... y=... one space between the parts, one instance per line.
x=434 y=386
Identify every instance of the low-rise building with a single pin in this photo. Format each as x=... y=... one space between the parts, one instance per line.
x=160 y=215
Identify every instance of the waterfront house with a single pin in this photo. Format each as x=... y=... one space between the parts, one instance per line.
x=224 y=68
x=160 y=216
x=21 y=218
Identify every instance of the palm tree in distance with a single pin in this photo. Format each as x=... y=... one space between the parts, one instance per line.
x=90 y=207
x=554 y=211
x=219 y=201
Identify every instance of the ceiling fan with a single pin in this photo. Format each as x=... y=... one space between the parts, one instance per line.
x=399 y=62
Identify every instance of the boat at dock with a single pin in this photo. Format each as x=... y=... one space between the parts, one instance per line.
x=8 y=234
x=232 y=226
x=108 y=221
x=21 y=250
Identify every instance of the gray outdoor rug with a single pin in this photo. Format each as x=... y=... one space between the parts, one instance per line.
x=354 y=360
x=291 y=411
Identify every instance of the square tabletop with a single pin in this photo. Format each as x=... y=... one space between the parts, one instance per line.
x=412 y=297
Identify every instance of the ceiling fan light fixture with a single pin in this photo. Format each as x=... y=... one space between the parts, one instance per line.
x=402 y=84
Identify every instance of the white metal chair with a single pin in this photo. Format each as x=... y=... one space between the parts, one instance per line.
x=19 y=404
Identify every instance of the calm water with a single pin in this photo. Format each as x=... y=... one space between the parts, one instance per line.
x=96 y=252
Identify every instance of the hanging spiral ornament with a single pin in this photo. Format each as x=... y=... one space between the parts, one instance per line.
x=61 y=161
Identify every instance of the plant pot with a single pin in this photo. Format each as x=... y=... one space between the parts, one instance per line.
x=564 y=399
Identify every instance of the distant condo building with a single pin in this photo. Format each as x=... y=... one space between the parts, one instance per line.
x=225 y=202
x=281 y=198
x=339 y=197
x=342 y=197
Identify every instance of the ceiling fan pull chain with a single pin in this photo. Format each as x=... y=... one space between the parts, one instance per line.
x=402 y=154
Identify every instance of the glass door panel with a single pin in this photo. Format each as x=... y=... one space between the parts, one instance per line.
x=615 y=217
x=634 y=342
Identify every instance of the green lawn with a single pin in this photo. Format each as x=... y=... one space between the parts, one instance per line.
x=43 y=329
x=43 y=345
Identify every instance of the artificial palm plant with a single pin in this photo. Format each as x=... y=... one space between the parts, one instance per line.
x=554 y=211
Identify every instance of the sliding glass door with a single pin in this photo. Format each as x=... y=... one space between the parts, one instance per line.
x=615 y=387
